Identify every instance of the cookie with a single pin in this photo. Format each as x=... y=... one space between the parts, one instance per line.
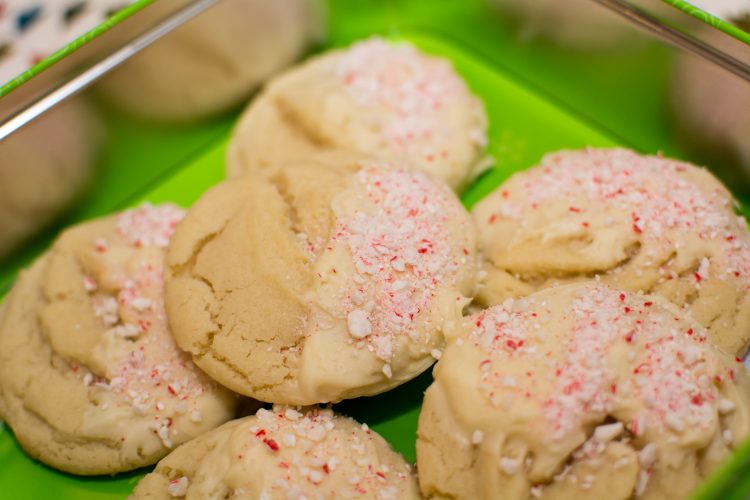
x=281 y=454
x=320 y=283
x=215 y=61
x=90 y=380
x=580 y=391
x=641 y=223
x=375 y=98
x=45 y=168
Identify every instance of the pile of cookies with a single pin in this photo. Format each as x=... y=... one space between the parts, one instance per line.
x=605 y=358
x=589 y=316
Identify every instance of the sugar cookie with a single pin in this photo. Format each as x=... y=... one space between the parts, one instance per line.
x=580 y=391
x=642 y=223
x=320 y=283
x=281 y=454
x=375 y=98
x=90 y=380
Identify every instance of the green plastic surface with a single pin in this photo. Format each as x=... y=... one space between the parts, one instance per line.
x=524 y=126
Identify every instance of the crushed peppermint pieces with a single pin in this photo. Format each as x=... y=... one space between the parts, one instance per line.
x=669 y=373
x=726 y=406
x=414 y=90
x=308 y=446
x=477 y=437
x=401 y=253
x=658 y=193
x=647 y=456
x=149 y=225
x=178 y=487
x=162 y=430
x=509 y=466
x=149 y=371
x=89 y=284
x=606 y=433
x=358 y=323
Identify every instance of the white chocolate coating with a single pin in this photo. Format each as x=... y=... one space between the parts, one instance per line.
x=580 y=390
x=375 y=98
x=283 y=454
x=361 y=269
x=91 y=381
x=642 y=223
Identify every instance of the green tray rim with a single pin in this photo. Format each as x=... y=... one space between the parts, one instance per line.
x=710 y=19
x=74 y=45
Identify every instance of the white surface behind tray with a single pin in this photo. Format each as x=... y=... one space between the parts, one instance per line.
x=725 y=9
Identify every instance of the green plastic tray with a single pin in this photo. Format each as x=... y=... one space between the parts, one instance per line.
x=524 y=126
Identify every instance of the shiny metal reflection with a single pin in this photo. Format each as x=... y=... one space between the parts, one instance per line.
x=99 y=69
x=710 y=109
x=678 y=38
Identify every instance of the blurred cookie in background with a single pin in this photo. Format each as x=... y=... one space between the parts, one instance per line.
x=377 y=98
x=216 y=60
x=44 y=168
x=710 y=108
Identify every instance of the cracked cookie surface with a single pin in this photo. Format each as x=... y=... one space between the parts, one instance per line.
x=641 y=223
x=283 y=453
x=321 y=282
x=580 y=391
x=375 y=98
x=90 y=380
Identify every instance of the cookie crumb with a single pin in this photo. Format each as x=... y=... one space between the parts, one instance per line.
x=359 y=324
x=726 y=406
x=509 y=466
x=163 y=432
x=477 y=437
x=178 y=487
x=647 y=456
x=727 y=437
x=89 y=284
x=606 y=433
